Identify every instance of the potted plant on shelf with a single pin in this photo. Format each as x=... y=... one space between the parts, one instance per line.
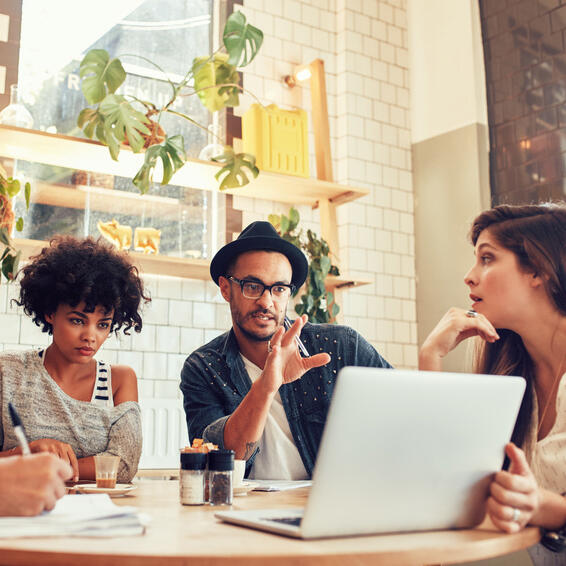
x=116 y=119
x=316 y=302
x=10 y=256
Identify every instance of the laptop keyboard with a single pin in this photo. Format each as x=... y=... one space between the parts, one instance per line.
x=293 y=521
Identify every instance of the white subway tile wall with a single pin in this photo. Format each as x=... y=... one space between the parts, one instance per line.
x=364 y=47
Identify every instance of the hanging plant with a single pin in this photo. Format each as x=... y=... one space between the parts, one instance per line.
x=119 y=119
x=316 y=302
x=10 y=256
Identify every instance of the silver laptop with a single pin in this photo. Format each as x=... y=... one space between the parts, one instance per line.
x=402 y=451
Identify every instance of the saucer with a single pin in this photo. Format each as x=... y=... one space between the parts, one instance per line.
x=120 y=489
x=244 y=487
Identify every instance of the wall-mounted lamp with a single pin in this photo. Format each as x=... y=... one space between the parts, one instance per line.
x=301 y=73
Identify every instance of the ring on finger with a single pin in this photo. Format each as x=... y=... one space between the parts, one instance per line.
x=471 y=313
x=269 y=347
x=516 y=515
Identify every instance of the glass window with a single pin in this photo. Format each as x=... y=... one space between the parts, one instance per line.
x=169 y=33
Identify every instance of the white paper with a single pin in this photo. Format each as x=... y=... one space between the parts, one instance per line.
x=78 y=515
x=280 y=485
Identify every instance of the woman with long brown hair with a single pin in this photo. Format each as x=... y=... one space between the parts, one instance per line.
x=518 y=293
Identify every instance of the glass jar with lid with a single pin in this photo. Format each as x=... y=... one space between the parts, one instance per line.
x=191 y=478
x=220 y=469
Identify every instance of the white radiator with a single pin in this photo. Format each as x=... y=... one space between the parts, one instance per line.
x=164 y=431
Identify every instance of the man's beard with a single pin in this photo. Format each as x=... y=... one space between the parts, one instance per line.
x=252 y=335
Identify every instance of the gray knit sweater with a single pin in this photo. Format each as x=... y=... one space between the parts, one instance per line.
x=48 y=412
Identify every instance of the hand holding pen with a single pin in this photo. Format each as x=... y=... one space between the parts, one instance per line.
x=284 y=364
x=19 y=430
x=287 y=323
x=31 y=484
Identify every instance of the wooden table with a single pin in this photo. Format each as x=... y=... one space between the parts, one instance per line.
x=181 y=535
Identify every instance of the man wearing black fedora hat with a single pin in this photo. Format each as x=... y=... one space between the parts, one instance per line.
x=250 y=389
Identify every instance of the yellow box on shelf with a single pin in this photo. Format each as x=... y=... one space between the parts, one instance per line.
x=278 y=139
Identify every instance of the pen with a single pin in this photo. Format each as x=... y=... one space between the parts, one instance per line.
x=304 y=351
x=19 y=430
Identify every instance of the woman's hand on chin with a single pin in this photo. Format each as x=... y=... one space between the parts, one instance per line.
x=454 y=327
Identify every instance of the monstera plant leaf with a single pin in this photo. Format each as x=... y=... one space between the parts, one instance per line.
x=91 y=121
x=215 y=79
x=233 y=171
x=172 y=154
x=208 y=73
x=100 y=75
x=122 y=122
x=242 y=40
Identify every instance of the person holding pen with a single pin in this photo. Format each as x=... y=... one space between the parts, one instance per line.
x=72 y=405
x=254 y=389
x=32 y=484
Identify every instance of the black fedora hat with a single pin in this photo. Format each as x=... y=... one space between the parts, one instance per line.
x=260 y=236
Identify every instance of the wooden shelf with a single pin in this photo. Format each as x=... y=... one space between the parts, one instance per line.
x=146 y=263
x=177 y=266
x=80 y=154
x=87 y=155
x=111 y=201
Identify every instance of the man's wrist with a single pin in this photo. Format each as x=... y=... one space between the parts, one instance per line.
x=264 y=388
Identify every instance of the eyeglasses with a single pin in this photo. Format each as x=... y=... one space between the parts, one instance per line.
x=255 y=289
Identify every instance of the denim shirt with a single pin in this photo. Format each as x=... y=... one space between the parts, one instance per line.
x=214 y=381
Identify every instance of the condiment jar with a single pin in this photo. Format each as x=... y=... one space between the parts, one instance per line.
x=191 y=480
x=220 y=467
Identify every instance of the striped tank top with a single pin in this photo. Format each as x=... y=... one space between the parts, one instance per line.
x=102 y=390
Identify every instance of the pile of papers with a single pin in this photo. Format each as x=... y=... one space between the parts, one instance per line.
x=78 y=515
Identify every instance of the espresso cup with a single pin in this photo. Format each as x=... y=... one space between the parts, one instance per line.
x=106 y=467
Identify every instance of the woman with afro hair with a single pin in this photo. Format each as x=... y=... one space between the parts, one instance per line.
x=78 y=291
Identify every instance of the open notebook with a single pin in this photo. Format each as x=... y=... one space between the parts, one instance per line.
x=402 y=451
x=78 y=515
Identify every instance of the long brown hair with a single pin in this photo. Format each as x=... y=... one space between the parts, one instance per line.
x=536 y=234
